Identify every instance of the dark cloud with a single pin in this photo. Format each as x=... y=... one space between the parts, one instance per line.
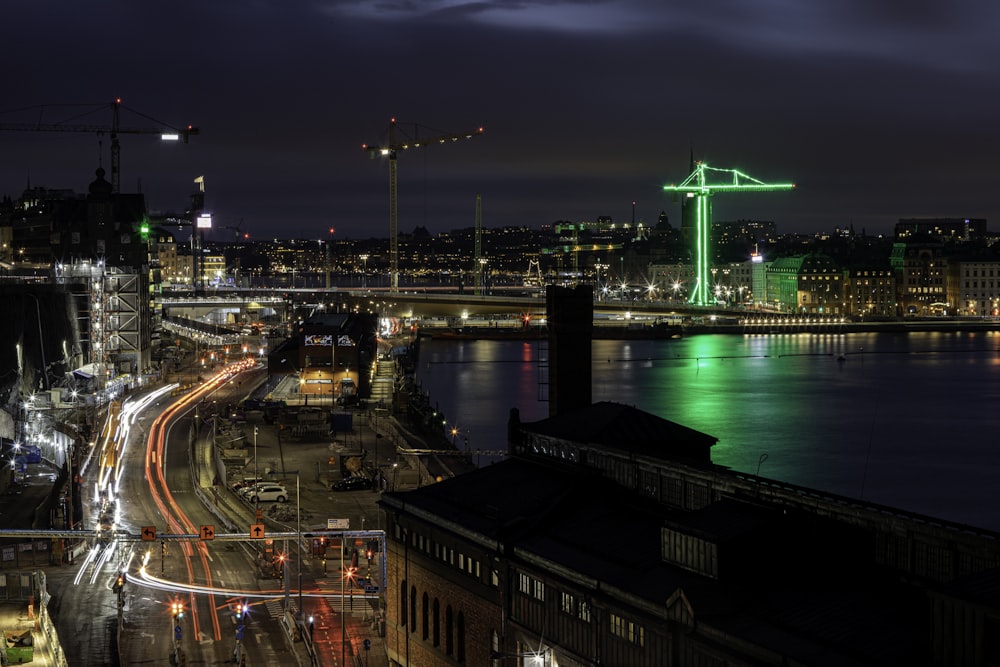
x=875 y=111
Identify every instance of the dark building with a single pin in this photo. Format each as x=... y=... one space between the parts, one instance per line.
x=608 y=538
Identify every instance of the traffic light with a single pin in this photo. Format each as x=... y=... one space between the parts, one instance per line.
x=119 y=583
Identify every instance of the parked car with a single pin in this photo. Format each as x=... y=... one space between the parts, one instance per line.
x=268 y=493
x=355 y=483
x=244 y=483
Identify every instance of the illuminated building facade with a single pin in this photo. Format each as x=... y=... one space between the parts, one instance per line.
x=974 y=287
x=870 y=293
x=921 y=278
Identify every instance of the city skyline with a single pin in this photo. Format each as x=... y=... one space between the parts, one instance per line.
x=587 y=107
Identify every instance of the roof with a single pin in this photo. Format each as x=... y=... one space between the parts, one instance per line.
x=625 y=428
x=585 y=524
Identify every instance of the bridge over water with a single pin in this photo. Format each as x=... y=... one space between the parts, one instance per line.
x=426 y=302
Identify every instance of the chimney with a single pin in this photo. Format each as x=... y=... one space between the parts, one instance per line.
x=570 y=313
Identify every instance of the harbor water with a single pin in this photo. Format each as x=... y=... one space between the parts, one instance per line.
x=906 y=420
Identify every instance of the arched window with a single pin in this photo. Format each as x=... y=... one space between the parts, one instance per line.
x=413 y=608
x=402 y=603
x=424 y=619
x=460 y=639
x=437 y=622
x=449 y=628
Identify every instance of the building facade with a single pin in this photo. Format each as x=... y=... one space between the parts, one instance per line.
x=609 y=538
x=870 y=293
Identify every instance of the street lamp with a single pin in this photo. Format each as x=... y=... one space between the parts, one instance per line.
x=540 y=658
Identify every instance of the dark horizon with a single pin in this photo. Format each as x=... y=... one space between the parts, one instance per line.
x=874 y=113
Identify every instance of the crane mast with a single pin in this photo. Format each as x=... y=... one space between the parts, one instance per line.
x=479 y=259
x=697 y=188
x=390 y=150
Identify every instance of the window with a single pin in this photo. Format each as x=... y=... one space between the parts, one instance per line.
x=627 y=630
x=567 y=603
x=449 y=624
x=524 y=583
x=413 y=608
x=539 y=590
x=402 y=603
x=437 y=623
x=583 y=611
x=425 y=621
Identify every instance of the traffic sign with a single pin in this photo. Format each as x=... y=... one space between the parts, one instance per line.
x=256 y=531
x=148 y=533
x=177 y=632
x=208 y=532
x=371 y=589
x=338 y=524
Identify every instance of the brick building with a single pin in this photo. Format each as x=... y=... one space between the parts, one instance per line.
x=609 y=538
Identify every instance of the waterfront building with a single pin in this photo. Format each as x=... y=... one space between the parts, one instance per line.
x=974 y=287
x=608 y=537
x=781 y=283
x=870 y=293
x=921 y=278
x=805 y=284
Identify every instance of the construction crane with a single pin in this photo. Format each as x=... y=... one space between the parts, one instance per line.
x=390 y=150
x=238 y=228
x=479 y=259
x=697 y=188
x=166 y=132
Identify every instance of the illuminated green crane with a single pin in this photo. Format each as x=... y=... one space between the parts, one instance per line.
x=697 y=187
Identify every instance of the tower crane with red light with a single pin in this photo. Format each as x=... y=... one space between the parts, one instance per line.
x=390 y=150
x=166 y=132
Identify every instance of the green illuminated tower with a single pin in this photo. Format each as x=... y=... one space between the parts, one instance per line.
x=699 y=191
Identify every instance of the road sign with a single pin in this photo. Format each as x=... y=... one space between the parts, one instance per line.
x=148 y=533
x=256 y=531
x=177 y=632
x=338 y=524
x=208 y=532
x=371 y=589
x=239 y=631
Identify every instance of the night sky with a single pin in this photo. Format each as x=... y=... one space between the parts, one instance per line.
x=876 y=109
